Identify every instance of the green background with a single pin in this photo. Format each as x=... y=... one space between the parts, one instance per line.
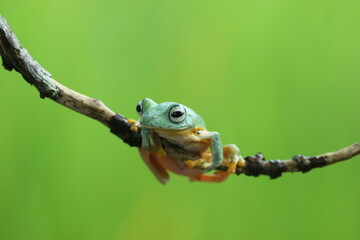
x=276 y=76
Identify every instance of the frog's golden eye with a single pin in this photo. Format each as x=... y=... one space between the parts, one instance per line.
x=139 y=107
x=177 y=113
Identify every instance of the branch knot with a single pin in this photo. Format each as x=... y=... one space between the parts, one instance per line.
x=305 y=164
x=256 y=165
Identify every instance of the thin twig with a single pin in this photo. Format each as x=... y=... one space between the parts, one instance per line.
x=14 y=56
x=256 y=165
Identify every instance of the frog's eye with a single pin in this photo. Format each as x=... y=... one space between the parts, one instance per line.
x=177 y=113
x=139 y=107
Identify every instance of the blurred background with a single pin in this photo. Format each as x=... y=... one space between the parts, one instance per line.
x=280 y=77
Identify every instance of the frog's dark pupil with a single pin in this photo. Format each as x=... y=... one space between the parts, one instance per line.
x=177 y=114
x=138 y=108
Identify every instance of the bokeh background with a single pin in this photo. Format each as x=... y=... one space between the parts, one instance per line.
x=276 y=76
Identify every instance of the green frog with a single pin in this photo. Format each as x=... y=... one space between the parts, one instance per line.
x=174 y=138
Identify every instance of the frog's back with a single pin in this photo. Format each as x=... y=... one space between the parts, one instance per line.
x=168 y=115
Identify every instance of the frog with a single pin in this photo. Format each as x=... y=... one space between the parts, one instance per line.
x=175 y=139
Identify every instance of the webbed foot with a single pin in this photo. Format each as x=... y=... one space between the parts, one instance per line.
x=232 y=158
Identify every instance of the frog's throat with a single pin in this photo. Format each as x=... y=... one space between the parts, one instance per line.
x=165 y=129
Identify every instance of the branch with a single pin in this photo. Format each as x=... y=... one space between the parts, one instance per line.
x=16 y=57
x=256 y=165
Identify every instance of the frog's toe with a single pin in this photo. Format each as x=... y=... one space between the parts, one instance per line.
x=206 y=156
x=201 y=164
x=135 y=125
x=241 y=162
x=235 y=161
x=233 y=164
x=196 y=163
x=205 y=165
x=191 y=163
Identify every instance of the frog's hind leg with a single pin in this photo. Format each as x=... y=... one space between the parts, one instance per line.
x=217 y=177
x=152 y=161
x=232 y=157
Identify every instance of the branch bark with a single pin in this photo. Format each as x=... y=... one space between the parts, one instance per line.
x=14 y=56
x=256 y=165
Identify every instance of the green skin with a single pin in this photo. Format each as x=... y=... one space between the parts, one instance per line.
x=155 y=119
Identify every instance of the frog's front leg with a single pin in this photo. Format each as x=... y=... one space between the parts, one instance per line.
x=232 y=158
x=228 y=155
x=216 y=150
x=149 y=140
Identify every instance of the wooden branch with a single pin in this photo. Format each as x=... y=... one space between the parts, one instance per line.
x=17 y=58
x=256 y=165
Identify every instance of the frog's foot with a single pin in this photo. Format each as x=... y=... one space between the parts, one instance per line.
x=201 y=163
x=232 y=158
x=195 y=163
x=235 y=161
x=135 y=125
x=217 y=177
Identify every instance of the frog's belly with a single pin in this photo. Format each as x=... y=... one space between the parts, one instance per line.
x=198 y=146
x=183 y=144
x=182 y=152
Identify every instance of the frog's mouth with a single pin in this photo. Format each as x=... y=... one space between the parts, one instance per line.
x=164 y=129
x=176 y=133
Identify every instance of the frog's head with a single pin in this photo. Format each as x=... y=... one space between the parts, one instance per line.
x=167 y=115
